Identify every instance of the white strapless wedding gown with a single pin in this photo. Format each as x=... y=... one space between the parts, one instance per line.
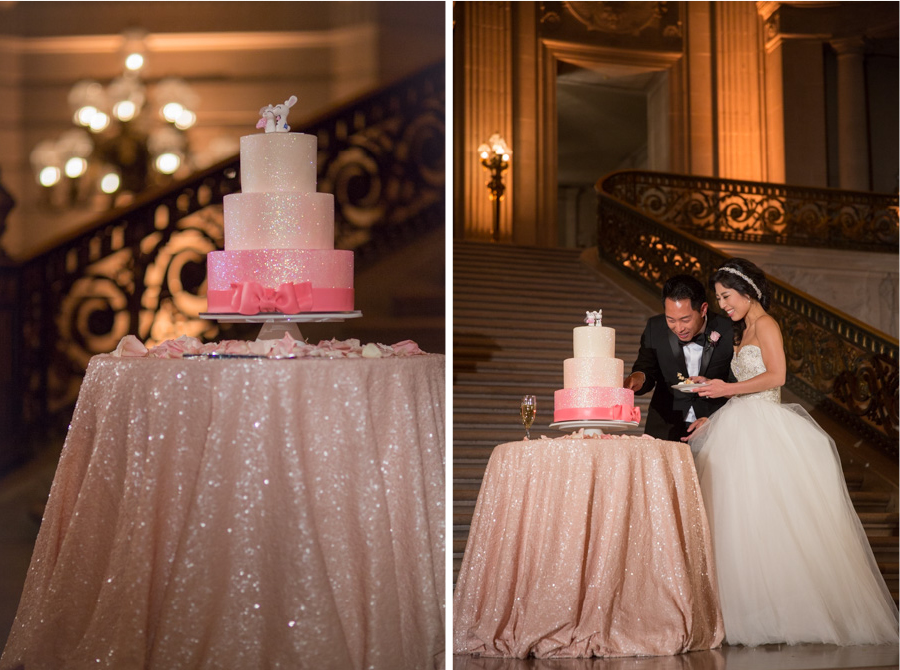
x=792 y=558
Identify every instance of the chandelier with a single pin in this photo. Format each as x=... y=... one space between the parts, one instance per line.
x=127 y=135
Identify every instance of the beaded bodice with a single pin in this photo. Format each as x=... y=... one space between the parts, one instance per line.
x=747 y=363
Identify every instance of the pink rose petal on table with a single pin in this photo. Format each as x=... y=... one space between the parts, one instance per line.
x=406 y=348
x=130 y=347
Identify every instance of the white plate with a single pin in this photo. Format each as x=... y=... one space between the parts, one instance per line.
x=689 y=388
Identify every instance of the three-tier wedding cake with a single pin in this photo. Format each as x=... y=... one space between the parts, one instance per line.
x=592 y=379
x=279 y=252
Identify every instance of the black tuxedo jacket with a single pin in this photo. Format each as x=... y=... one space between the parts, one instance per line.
x=661 y=359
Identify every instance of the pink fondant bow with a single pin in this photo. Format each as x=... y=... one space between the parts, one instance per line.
x=252 y=298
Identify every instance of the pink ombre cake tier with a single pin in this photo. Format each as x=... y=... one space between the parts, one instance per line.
x=326 y=273
x=279 y=221
x=595 y=403
x=584 y=372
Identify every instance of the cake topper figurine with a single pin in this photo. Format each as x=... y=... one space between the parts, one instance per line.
x=274 y=117
x=593 y=318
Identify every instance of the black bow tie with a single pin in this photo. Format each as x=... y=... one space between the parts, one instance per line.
x=699 y=338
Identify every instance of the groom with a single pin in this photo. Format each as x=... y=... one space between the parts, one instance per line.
x=686 y=339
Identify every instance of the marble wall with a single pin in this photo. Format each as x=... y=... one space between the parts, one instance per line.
x=864 y=285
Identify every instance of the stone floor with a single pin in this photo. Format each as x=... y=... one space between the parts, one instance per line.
x=769 y=657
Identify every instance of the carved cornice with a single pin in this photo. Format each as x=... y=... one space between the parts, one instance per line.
x=617 y=18
x=767 y=9
x=588 y=56
x=854 y=45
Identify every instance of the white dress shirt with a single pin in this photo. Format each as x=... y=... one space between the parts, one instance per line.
x=693 y=352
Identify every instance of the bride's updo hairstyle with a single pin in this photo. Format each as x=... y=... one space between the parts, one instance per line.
x=742 y=276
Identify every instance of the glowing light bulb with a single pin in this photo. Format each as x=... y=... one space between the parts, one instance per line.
x=185 y=120
x=75 y=167
x=99 y=122
x=49 y=176
x=168 y=162
x=125 y=110
x=110 y=183
x=134 y=62
x=84 y=115
x=171 y=111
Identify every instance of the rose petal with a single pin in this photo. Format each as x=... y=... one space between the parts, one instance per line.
x=130 y=347
x=406 y=348
x=371 y=351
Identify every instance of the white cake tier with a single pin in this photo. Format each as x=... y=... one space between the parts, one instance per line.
x=594 y=342
x=279 y=221
x=278 y=162
x=585 y=372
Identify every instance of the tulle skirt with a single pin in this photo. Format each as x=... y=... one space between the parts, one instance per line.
x=793 y=561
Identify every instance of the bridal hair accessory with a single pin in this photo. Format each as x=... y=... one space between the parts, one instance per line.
x=593 y=318
x=745 y=278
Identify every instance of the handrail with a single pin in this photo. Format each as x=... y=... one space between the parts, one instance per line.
x=746 y=211
x=141 y=269
x=833 y=359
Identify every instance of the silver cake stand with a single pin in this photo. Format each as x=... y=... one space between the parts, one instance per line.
x=275 y=326
x=593 y=427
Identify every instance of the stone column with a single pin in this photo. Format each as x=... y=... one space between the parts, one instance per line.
x=486 y=108
x=535 y=213
x=738 y=81
x=853 y=143
x=699 y=154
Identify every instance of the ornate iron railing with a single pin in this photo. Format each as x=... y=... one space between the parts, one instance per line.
x=833 y=360
x=142 y=270
x=743 y=211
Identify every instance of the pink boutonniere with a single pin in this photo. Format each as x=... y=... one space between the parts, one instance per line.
x=713 y=338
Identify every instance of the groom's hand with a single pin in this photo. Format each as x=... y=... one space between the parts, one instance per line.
x=634 y=381
x=694 y=426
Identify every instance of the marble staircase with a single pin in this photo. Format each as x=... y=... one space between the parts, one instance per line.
x=514 y=310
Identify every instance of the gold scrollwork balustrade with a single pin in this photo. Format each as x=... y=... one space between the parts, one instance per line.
x=833 y=360
x=742 y=211
x=142 y=270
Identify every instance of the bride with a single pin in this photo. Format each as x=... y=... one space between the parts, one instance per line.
x=793 y=561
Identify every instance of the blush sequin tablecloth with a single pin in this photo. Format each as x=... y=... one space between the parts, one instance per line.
x=244 y=514
x=588 y=547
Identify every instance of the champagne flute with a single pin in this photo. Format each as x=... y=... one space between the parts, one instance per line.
x=529 y=409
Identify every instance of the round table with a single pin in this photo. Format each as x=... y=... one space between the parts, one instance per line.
x=588 y=547
x=243 y=513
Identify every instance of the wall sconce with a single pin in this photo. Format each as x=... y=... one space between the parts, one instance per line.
x=495 y=155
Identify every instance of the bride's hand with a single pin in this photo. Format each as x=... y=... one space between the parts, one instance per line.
x=715 y=388
x=698 y=379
